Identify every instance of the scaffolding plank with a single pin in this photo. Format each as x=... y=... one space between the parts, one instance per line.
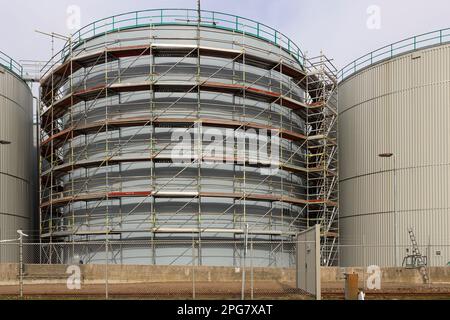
x=83 y=60
x=62 y=201
x=57 y=109
x=100 y=126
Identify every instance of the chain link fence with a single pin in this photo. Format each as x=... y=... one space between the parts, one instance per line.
x=193 y=269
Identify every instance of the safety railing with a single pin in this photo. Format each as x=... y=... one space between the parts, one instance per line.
x=11 y=65
x=158 y=17
x=410 y=44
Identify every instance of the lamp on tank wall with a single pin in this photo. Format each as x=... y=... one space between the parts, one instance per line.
x=386 y=155
x=4 y=142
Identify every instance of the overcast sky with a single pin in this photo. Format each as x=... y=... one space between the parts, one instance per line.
x=343 y=29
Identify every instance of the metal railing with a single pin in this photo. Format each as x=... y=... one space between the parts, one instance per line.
x=11 y=65
x=438 y=37
x=158 y=17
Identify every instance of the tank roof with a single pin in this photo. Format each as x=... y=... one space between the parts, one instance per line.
x=429 y=39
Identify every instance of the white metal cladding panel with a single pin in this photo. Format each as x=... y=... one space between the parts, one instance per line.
x=425 y=67
x=431 y=228
x=16 y=126
x=9 y=252
x=15 y=197
x=419 y=189
x=365 y=132
x=400 y=106
x=9 y=226
x=16 y=161
x=369 y=239
x=15 y=89
x=367 y=194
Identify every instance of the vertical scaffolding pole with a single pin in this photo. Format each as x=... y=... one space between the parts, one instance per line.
x=244 y=279
x=193 y=268
x=252 y=276
x=200 y=134
x=21 y=267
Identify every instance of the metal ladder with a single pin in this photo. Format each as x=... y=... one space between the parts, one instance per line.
x=416 y=252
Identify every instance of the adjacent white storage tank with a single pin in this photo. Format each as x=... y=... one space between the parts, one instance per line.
x=400 y=105
x=17 y=163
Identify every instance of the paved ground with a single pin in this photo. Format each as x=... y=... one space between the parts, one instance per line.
x=183 y=290
x=392 y=291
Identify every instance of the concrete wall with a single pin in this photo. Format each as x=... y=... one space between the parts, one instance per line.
x=92 y=274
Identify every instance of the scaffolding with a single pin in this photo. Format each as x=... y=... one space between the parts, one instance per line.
x=119 y=90
x=323 y=153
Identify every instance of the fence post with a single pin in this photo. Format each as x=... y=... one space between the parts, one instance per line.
x=252 y=277
x=364 y=261
x=193 y=268
x=429 y=261
x=244 y=263
x=106 y=271
x=21 y=267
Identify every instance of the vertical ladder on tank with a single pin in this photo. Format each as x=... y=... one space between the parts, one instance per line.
x=420 y=259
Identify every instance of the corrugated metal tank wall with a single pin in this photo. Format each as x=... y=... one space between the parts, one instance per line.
x=400 y=106
x=16 y=161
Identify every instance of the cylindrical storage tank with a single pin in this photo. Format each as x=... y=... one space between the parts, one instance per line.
x=128 y=121
x=395 y=154
x=17 y=163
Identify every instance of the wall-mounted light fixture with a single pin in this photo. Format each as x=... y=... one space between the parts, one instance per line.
x=4 y=142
